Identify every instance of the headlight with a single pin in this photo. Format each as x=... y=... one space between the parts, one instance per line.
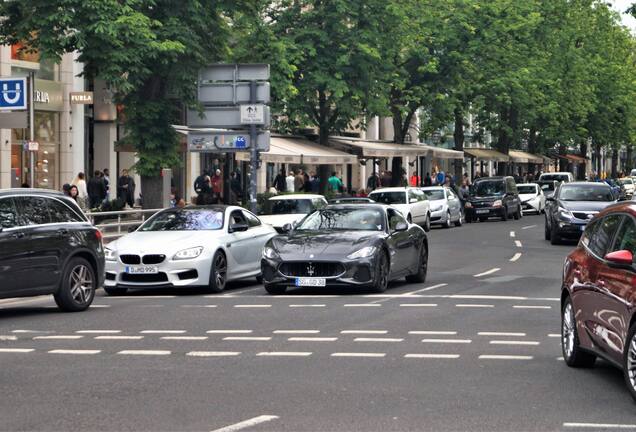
x=270 y=252
x=436 y=208
x=363 y=253
x=110 y=254
x=565 y=213
x=468 y=205
x=497 y=203
x=187 y=254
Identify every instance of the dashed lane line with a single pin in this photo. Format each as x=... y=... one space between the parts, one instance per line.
x=284 y=354
x=185 y=338
x=531 y=307
x=504 y=357
x=427 y=289
x=364 y=332
x=357 y=354
x=447 y=341
x=433 y=332
x=229 y=331
x=528 y=227
x=162 y=331
x=98 y=331
x=8 y=338
x=489 y=333
x=30 y=331
x=599 y=425
x=199 y=306
x=296 y=331
x=554 y=335
x=370 y=339
x=145 y=352
x=512 y=342
x=59 y=337
x=487 y=272
x=118 y=337
x=140 y=297
x=247 y=338
x=312 y=339
x=515 y=257
x=253 y=306
x=213 y=353
x=518 y=243
x=512 y=234
x=76 y=351
x=418 y=305
x=16 y=350
x=362 y=305
x=307 y=305
x=432 y=356
x=468 y=305
x=102 y=306
x=247 y=423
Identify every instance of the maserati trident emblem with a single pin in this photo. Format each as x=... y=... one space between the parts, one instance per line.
x=310 y=269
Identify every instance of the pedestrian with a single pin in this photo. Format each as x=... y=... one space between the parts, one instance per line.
x=463 y=193
x=289 y=182
x=279 y=182
x=106 y=177
x=235 y=187
x=96 y=190
x=427 y=180
x=216 y=183
x=126 y=188
x=198 y=183
x=315 y=183
x=373 y=182
x=66 y=189
x=307 y=183
x=415 y=179
x=466 y=179
x=80 y=182
x=385 y=178
x=299 y=181
x=74 y=194
x=335 y=184
x=205 y=196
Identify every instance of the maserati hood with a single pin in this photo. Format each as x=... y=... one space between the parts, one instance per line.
x=328 y=245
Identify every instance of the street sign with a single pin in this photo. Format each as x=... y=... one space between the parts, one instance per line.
x=231 y=141
x=14 y=120
x=235 y=72
x=253 y=114
x=32 y=146
x=224 y=117
x=232 y=93
x=13 y=94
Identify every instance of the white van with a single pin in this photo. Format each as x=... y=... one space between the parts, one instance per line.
x=563 y=177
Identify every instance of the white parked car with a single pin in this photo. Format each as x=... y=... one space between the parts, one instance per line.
x=446 y=208
x=184 y=247
x=410 y=201
x=562 y=177
x=628 y=185
x=288 y=209
x=532 y=197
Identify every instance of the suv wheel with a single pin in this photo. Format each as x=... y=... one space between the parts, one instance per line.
x=573 y=355
x=77 y=289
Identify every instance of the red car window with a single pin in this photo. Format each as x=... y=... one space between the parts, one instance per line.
x=604 y=234
x=626 y=237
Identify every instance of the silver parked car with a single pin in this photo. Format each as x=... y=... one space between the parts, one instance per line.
x=184 y=247
x=446 y=208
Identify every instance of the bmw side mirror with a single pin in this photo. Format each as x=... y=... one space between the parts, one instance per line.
x=238 y=227
x=287 y=228
x=401 y=226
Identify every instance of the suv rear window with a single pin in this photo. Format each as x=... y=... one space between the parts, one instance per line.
x=32 y=210
x=8 y=213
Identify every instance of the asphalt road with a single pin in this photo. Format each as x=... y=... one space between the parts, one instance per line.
x=474 y=348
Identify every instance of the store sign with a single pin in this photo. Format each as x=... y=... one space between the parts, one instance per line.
x=81 y=98
x=48 y=95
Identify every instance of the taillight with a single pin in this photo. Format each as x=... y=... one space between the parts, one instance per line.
x=98 y=235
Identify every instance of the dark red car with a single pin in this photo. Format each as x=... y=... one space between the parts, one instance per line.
x=598 y=299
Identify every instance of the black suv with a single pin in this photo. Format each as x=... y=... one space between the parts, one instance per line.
x=48 y=246
x=493 y=197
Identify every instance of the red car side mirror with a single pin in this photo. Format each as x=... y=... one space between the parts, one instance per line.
x=621 y=257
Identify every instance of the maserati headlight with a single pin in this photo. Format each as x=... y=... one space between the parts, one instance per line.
x=270 y=252
x=565 y=214
x=109 y=254
x=365 y=252
x=497 y=203
x=187 y=254
x=436 y=208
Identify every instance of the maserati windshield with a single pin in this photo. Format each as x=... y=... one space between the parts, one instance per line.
x=362 y=219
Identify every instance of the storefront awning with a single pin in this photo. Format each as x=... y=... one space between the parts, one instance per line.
x=444 y=153
x=573 y=158
x=522 y=157
x=486 y=154
x=379 y=149
x=297 y=150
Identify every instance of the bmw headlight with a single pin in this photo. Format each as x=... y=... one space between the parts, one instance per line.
x=365 y=252
x=497 y=203
x=109 y=254
x=436 y=208
x=565 y=214
x=270 y=252
x=187 y=254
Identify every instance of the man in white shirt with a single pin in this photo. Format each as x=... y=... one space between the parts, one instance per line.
x=290 y=181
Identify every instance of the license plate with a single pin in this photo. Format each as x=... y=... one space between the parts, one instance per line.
x=311 y=282
x=142 y=269
x=482 y=211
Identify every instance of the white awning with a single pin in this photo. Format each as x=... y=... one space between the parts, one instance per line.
x=301 y=151
x=379 y=149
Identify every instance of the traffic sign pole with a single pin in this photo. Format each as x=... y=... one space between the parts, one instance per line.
x=253 y=153
x=31 y=128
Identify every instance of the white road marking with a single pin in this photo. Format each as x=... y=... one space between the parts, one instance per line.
x=475 y=305
x=531 y=307
x=554 y=335
x=184 y=338
x=432 y=356
x=307 y=305
x=296 y=331
x=364 y=332
x=213 y=353
x=504 y=357
x=284 y=354
x=29 y=331
x=518 y=243
x=426 y=289
x=162 y=331
x=312 y=339
x=487 y=272
x=528 y=227
x=247 y=338
x=16 y=350
x=229 y=331
x=600 y=425
x=512 y=234
x=560 y=359
x=69 y=351
x=247 y=423
x=350 y=354
x=485 y=333
x=100 y=306
x=433 y=332
x=418 y=305
x=362 y=305
x=59 y=337
x=511 y=342
x=145 y=352
x=515 y=257
x=141 y=297
x=448 y=341
x=8 y=338
x=485 y=297
x=118 y=337
x=368 y=339
x=234 y=292
x=99 y=331
x=199 y=306
x=253 y=306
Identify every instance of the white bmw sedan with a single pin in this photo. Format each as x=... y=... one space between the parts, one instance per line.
x=193 y=246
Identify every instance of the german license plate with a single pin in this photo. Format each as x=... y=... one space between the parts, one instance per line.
x=483 y=211
x=142 y=269
x=311 y=282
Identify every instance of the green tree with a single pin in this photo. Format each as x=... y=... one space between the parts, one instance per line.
x=148 y=51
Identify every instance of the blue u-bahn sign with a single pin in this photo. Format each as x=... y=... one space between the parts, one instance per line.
x=13 y=94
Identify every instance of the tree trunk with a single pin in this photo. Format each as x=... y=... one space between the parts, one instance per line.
x=597 y=156
x=503 y=140
x=614 y=162
x=459 y=137
x=629 y=163
x=324 y=171
x=152 y=192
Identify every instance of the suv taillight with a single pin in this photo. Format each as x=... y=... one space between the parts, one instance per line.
x=98 y=235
